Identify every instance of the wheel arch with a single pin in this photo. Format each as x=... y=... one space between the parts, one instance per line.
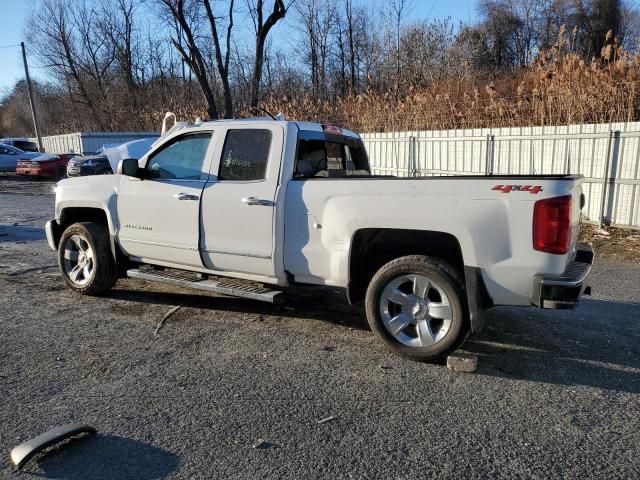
x=74 y=214
x=371 y=248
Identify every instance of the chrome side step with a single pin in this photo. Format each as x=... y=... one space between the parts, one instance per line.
x=194 y=280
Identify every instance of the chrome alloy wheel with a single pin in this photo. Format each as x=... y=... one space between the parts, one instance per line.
x=79 y=264
x=416 y=310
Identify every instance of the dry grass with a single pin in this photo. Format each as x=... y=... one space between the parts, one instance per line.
x=560 y=88
x=613 y=243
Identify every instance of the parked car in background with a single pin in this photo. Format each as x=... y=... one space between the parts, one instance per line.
x=89 y=165
x=45 y=165
x=106 y=159
x=23 y=144
x=10 y=156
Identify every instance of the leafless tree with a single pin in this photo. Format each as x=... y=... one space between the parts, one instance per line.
x=184 y=15
x=56 y=41
x=112 y=67
x=262 y=28
x=222 y=62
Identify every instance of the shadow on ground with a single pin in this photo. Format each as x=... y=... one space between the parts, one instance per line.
x=596 y=345
x=317 y=303
x=17 y=233
x=106 y=457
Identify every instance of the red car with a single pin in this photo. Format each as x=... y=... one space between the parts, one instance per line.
x=46 y=165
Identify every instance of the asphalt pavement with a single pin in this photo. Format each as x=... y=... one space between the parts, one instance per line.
x=232 y=388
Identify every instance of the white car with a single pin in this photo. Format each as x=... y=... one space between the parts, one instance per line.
x=10 y=156
x=275 y=204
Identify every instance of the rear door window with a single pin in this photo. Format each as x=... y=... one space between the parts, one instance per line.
x=245 y=155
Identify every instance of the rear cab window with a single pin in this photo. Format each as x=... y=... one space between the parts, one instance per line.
x=329 y=154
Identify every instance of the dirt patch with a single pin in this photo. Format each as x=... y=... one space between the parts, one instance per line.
x=613 y=243
x=135 y=310
x=18 y=185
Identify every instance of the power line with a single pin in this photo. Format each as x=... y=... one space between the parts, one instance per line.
x=10 y=46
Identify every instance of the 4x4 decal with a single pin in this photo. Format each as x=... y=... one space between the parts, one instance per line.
x=518 y=188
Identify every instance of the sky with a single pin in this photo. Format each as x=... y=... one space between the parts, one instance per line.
x=15 y=14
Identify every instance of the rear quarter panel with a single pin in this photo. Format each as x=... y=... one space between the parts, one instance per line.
x=494 y=229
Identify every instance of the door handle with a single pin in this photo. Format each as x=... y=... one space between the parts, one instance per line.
x=186 y=196
x=256 y=201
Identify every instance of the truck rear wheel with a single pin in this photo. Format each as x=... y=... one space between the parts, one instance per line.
x=418 y=306
x=85 y=260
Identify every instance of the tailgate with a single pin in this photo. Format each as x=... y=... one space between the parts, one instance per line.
x=577 y=204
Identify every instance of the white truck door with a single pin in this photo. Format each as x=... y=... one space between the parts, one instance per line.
x=159 y=216
x=238 y=201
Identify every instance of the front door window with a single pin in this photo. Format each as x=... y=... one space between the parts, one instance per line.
x=181 y=160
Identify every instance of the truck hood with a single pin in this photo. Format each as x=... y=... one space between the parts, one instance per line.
x=88 y=183
x=135 y=149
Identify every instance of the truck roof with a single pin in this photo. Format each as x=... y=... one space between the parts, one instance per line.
x=306 y=126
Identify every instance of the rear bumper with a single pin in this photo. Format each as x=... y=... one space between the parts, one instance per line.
x=43 y=172
x=565 y=290
x=34 y=172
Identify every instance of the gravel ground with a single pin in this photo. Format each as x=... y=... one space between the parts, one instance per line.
x=556 y=395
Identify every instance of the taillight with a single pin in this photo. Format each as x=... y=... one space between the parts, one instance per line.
x=552 y=225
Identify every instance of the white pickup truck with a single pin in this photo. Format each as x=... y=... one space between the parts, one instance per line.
x=250 y=207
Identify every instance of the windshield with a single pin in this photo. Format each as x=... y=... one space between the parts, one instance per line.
x=329 y=155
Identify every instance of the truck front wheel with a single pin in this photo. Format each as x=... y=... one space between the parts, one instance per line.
x=418 y=306
x=85 y=260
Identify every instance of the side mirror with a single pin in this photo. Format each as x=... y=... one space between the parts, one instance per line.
x=129 y=167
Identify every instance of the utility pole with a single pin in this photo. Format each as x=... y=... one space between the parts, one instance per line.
x=31 y=101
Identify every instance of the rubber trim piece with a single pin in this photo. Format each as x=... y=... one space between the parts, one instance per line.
x=455 y=177
x=52 y=231
x=24 y=452
x=478 y=297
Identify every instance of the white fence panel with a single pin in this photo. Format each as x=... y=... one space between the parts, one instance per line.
x=89 y=142
x=608 y=155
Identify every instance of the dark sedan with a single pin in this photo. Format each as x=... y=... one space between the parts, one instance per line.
x=89 y=165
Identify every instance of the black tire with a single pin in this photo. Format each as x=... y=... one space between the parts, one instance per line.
x=104 y=272
x=61 y=173
x=449 y=280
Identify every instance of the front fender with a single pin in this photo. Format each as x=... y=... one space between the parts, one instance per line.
x=93 y=192
x=64 y=207
x=87 y=199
